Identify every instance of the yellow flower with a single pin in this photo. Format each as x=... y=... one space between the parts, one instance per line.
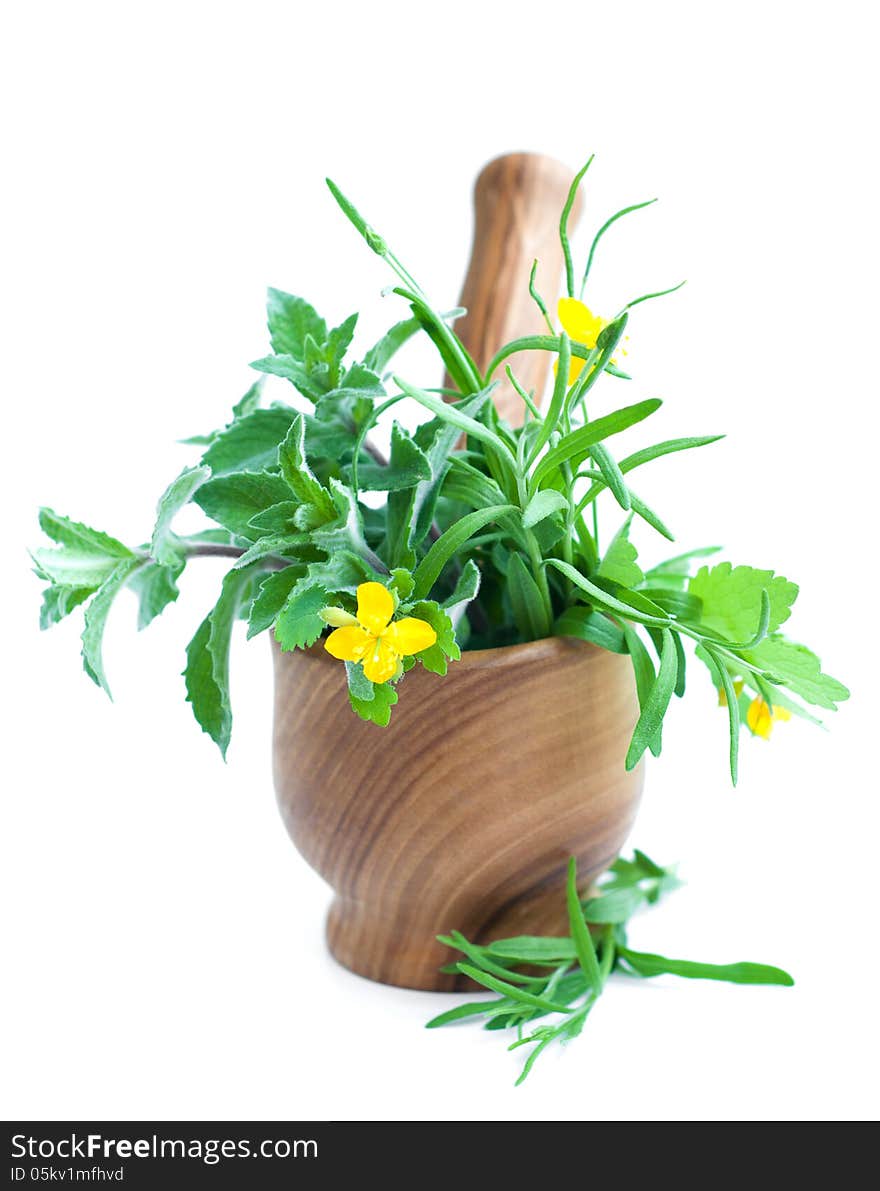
x=738 y=685
x=372 y=637
x=760 y=717
x=582 y=326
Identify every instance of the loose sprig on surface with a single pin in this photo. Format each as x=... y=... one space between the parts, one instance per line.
x=562 y=977
x=487 y=535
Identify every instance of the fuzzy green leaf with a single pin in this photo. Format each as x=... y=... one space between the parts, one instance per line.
x=543 y=504
x=96 y=619
x=250 y=443
x=164 y=547
x=378 y=357
x=272 y=596
x=290 y=320
x=156 y=588
x=233 y=500
x=407 y=466
x=207 y=661
x=296 y=471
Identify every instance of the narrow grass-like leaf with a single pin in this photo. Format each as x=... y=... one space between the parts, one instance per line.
x=602 y=599
x=732 y=710
x=557 y=401
x=603 y=229
x=452 y=415
x=510 y=990
x=647 y=965
x=563 y=224
x=658 y=701
x=660 y=293
x=576 y=446
x=580 y=934
x=449 y=543
x=612 y=474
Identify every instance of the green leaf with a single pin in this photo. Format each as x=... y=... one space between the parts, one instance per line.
x=312 y=383
x=378 y=357
x=272 y=596
x=207 y=661
x=589 y=625
x=532 y=949
x=510 y=990
x=722 y=676
x=680 y=604
x=619 y=563
x=615 y=907
x=277 y=519
x=250 y=443
x=290 y=320
x=445 y=648
x=179 y=492
x=604 y=228
x=732 y=599
x=643 y=671
x=298 y=625
x=449 y=543
x=59 y=602
x=470 y=1009
x=96 y=619
x=651 y=718
x=580 y=934
x=359 y=686
x=527 y=603
x=466 y=588
x=680 y=564
x=543 y=504
x=454 y=416
x=298 y=474
x=645 y=964
x=85 y=557
x=233 y=500
x=602 y=598
x=156 y=588
x=339 y=341
x=799 y=669
x=378 y=709
x=612 y=475
x=250 y=401
x=575 y=447
x=80 y=539
x=407 y=466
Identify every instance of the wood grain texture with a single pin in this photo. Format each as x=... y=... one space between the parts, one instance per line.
x=463 y=813
x=518 y=200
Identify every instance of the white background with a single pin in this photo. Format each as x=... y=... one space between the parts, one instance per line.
x=165 y=162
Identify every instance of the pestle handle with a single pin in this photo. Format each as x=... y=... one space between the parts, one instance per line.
x=518 y=199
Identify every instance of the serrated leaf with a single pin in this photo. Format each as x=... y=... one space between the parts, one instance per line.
x=59 y=602
x=381 y=353
x=179 y=492
x=360 y=687
x=732 y=599
x=277 y=519
x=233 y=500
x=799 y=669
x=66 y=568
x=298 y=624
x=249 y=402
x=156 y=588
x=619 y=563
x=445 y=648
x=290 y=320
x=296 y=471
x=207 y=661
x=339 y=341
x=312 y=384
x=406 y=467
x=271 y=598
x=96 y=619
x=285 y=546
x=80 y=539
x=378 y=709
x=250 y=443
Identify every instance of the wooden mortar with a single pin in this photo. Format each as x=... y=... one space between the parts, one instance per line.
x=461 y=815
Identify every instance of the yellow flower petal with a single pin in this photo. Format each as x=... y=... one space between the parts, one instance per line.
x=781 y=713
x=349 y=644
x=759 y=718
x=380 y=660
x=579 y=321
x=410 y=635
x=375 y=607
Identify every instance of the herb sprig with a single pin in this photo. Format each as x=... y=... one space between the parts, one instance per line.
x=563 y=977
